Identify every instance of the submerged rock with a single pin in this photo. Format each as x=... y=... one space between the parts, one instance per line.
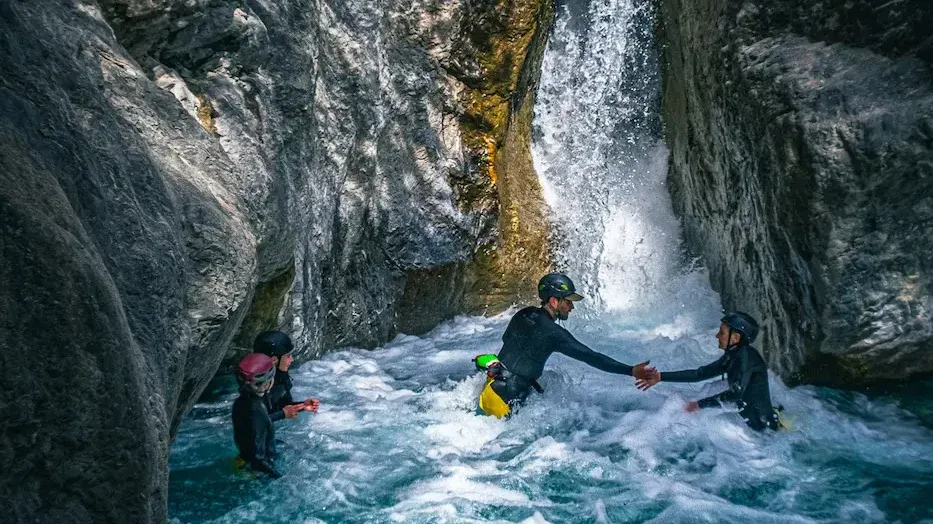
x=801 y=141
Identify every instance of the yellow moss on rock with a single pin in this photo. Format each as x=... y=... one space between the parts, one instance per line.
x=504 y=40
x=497 y=123
x=207 y=114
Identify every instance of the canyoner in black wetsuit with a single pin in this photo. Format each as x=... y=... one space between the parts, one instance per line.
x=745 y=371
x=280 y=396
x=279 y=401
x=531 y=337
x=253 y=430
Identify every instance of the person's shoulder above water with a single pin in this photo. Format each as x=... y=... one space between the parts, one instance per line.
x=536 y=316
x=529 y=310
x=526 y=315
x=751 y=352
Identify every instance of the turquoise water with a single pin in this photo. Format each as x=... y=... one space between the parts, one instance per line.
x=398 y=440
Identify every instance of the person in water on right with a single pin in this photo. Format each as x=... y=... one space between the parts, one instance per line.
x=743 y=366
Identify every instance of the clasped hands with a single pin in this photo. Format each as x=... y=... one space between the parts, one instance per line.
x=646 y=378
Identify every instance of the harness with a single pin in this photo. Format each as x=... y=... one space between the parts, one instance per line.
x=495 y=369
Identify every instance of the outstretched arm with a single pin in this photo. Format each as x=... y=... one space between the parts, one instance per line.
x=576 y=350
x=689 y=375
x=695 y=375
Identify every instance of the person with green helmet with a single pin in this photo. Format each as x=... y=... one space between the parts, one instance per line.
x=744 y=368
x=531 y=337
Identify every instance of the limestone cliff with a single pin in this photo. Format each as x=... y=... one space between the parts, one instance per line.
x=801 y=137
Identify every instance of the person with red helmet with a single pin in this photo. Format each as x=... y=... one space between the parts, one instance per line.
x=278 y=346
x=253 y=430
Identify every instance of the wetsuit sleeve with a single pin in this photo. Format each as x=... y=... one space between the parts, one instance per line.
x=261 y=461
x=280 y=414
x=736 y=390
x=695 y=375
x=573 y=348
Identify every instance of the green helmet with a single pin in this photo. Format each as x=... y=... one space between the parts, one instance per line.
x=557 y=285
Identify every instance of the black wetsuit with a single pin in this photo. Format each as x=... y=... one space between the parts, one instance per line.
x=254 y=433
x=280 y=395
x=529 y=340
x=747 y=377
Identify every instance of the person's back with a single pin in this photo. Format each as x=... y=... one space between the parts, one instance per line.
x=748 y=374
x=253 y=431
x=529 y=340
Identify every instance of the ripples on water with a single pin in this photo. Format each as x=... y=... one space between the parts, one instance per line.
x=398 y=439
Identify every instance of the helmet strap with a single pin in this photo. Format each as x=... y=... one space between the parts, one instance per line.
x=729 y=344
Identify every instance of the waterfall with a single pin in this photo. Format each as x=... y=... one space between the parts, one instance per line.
x=599 y=152
x=398 y=438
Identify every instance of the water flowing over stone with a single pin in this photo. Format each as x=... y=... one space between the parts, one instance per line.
x=599 y=151
x=398 y=438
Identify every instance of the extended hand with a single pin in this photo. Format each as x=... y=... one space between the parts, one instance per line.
x=292 y=410
x=311 y=404
x=644 y=384
x=643 y=372
x=691 y=407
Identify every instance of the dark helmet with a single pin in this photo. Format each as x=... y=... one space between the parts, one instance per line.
x=255 y=371
x=743 y=323
x=272 y=343
x=557 y=285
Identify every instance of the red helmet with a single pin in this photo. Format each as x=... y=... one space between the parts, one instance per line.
x=256 y=372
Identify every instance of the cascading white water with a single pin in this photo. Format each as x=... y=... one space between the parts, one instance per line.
x=398 y=438
x=601 y=160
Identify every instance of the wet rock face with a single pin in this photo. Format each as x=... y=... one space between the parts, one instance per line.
x=801 y=144
x=346 y=122
x=126 y=264
x=176 y=176
x=342 y=122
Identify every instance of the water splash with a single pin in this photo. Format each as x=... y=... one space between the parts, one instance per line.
x=398 y=440
x=599 y=154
